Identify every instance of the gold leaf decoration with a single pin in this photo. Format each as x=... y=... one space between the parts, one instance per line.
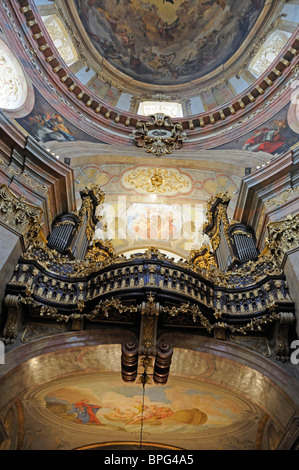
x=157 y=180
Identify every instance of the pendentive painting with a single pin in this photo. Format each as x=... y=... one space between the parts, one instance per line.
x=168 y=42
x=45 y=124
x=275 y=136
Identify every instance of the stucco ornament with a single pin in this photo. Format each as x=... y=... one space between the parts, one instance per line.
x=159 y=135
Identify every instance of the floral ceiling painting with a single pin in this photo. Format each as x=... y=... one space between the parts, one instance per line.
x=168 y=42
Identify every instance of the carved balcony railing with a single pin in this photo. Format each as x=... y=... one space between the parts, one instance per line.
x=51 y=287
x=151 y=295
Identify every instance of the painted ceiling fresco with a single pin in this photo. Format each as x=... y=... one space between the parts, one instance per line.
x=275 y=136
x=165 y=409
x=148 y=205
x=210 y=404
x=168 y=42
x=45 y=124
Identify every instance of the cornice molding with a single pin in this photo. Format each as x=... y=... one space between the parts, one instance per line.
x=260 y=201
x=28 y=168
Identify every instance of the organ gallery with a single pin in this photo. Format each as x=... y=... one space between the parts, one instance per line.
x=149 y=225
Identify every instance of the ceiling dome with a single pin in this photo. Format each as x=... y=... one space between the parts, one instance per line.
x=168 y=42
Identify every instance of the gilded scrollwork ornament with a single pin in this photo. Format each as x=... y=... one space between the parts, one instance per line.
x=99 y=250
x=217 y=219
x=255 y=324
x=283 y=236
x=148 y=327
x=104 y=308
x=20 y=216
x=202 y=258
x=159 y=135
x=157 y=180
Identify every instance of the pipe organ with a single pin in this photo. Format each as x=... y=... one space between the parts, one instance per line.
x=244 y=242
x=72 y=233
x=234 y=243
x=63 y=229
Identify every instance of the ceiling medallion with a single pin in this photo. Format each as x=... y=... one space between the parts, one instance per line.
x=166 y=181
x=159 y=135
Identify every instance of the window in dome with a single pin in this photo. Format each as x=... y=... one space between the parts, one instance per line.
x=60 y=38
x=172 y=109
x=291 y=12
x=13 y=85
x=268 y=52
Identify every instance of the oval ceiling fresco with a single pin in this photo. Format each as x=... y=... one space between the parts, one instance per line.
x=168 y=42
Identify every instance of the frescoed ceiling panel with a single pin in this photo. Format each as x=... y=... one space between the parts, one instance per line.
x=156 y=203
x=76 y=398
x=45 y=124
x=159 y=202
x=168 y=42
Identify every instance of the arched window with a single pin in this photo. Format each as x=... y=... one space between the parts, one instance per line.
x=61 y=39
x=268 y=52
x=13 y=84
x=169 y=108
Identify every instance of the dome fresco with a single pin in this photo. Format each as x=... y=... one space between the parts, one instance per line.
x=168 y=42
